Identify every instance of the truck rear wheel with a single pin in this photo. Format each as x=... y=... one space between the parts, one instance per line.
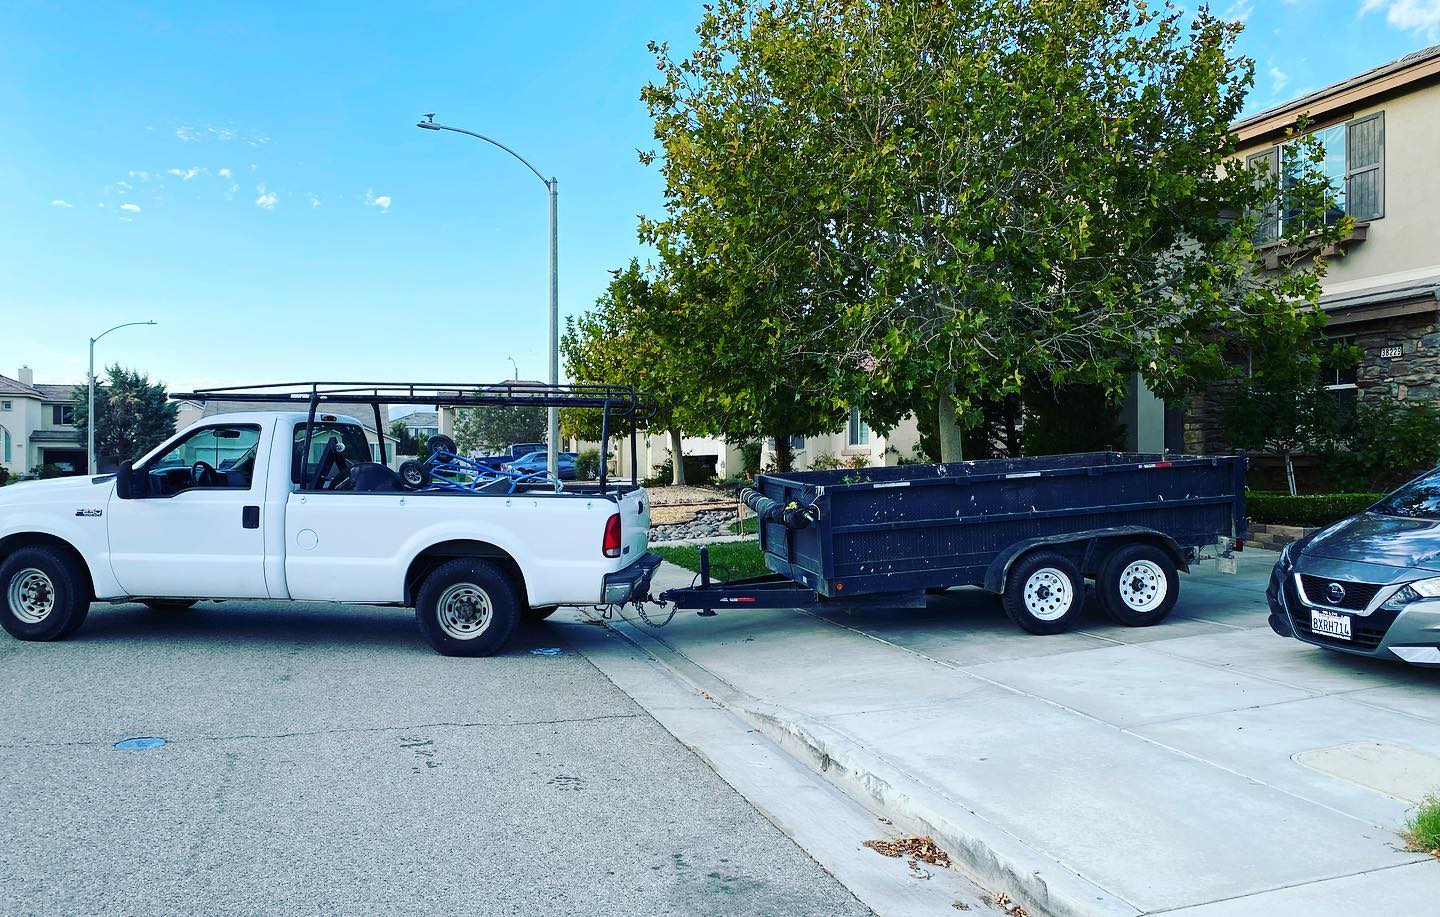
x=44 y=594
x=1044 y=593
x=467 y=607
x=1137 y=585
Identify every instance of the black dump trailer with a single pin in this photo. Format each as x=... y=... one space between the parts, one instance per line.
x=1032 y=530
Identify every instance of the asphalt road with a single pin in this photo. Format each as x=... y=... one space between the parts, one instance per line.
x=321 y=759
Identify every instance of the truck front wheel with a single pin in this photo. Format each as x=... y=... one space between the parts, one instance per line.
x=1137 y=585
x=44 y=594
x=1044 y=593
x=467 y=607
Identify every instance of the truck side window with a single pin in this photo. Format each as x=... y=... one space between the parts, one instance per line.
x=212 y=457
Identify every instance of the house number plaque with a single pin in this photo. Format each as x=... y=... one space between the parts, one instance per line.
x=1390 y=352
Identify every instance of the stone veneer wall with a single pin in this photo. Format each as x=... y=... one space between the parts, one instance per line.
x=1412 y=376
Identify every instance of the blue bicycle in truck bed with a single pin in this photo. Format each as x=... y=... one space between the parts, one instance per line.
x=445 y=470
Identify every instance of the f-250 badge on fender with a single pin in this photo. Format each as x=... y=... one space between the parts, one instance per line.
x=90 y=512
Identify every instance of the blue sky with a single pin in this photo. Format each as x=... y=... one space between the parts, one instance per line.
x=249 y=174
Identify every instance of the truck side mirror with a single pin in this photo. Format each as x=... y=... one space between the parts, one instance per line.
x=124 y=484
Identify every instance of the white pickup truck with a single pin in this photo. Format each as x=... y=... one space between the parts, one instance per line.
x=235 y=507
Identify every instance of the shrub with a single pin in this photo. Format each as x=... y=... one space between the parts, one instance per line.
x=1311 y=510
x=825 y=462
x=1381 y=444
x=4 y=476
x=698 y=472
x=1422 y=831
x=587 y=465
x=750 y=458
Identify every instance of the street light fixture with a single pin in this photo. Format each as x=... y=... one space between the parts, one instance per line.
x=551 y=185
x=90 y=402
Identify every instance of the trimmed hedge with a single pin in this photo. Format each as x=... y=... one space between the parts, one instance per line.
x=1311 y=510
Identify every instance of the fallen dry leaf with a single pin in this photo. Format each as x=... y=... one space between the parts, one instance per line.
x=921 y=848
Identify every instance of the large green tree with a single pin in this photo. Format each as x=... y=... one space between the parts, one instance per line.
x=132 y=415
x=493 y=429
x=923 y=206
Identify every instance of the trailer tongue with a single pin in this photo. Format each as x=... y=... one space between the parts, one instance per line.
x=1032 y=530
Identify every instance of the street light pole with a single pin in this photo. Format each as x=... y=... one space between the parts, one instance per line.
x=553 y=186
x=90 y=402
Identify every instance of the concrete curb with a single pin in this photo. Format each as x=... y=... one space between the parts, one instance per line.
x=992 y=856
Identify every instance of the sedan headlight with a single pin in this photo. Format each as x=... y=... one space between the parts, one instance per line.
x=1413 y=592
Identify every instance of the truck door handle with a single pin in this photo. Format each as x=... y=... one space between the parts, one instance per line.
x=250 y=517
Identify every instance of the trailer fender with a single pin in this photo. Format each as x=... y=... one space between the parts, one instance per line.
x=999 y=569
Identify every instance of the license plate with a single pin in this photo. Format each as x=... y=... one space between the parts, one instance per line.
x=1329 y=624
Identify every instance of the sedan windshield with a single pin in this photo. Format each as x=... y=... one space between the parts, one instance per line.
x=1420 y=499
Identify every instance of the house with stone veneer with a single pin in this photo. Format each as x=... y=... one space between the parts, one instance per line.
x=1381 y=135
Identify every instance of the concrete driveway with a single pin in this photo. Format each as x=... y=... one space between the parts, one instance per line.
x=1204 y=766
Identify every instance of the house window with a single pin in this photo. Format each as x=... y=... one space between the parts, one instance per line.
x=62 y=415
x=1353 y=161
x=6 y=405
x=859 y=431
x=5 y=445
x=1342 y=380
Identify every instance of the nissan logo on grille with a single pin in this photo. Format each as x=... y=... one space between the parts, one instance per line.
x=1335 y=593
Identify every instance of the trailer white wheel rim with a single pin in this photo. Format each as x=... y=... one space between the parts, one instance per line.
x=464 y=611
x=1143 y=586
x=31 y=595
x=1048 y=594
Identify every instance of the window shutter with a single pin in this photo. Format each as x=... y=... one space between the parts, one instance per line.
x=1365 y=167
x=1268 y=229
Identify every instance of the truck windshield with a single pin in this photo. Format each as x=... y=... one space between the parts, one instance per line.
x=1420 y=499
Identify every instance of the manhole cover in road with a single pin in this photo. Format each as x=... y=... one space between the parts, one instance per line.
x=140 y=744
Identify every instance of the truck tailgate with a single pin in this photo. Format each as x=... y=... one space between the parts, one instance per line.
x=634 y=510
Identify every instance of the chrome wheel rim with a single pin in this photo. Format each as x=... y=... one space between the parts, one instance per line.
x=464 y=611
x=1143 y=586
x=412 y=476
x=1048 y=594
x=31 y=595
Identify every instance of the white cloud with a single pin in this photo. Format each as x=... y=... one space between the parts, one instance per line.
x=222 y=133
x=314 y=200
x=223 y=173
x=60 y=203
x=140 y=174
x=1410 y=15
x=1279 y=79
x=267 y=199
x=135 y=208
x=187 y=134
x=187 y=174
x=1239 y=11
x=382 y=201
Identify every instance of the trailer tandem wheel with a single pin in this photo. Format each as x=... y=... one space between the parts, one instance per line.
x=1137 y=585
x=1044 y=593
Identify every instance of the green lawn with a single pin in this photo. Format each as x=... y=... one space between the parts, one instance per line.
x=728 y=559
x=747 y=526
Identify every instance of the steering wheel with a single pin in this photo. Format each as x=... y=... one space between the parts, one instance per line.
x=202 y=475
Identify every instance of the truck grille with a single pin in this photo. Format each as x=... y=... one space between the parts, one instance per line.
x=1357 y=595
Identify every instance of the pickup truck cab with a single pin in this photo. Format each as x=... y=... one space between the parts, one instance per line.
x=272 y=506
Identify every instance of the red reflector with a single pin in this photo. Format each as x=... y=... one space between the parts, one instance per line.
x=610 y=547
x=1239 y=544
x=745 y=598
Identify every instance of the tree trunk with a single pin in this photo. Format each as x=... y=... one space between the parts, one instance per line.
x=952 y=443
x=1290 y=474
x=783 y=455
x=676 y=458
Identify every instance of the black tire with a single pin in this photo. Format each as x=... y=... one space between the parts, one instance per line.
x=169 y=606
x=43 y=576
x=1045 y=609
x=1147 y=595
x=441 y=443
x=414 y=474
x=477 y=585
x=541 y=613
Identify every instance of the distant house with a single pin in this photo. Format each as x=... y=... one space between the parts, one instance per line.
x=420 y=424
x=37 y=426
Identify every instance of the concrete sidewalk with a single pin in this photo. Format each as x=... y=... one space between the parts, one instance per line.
x=1204 y=766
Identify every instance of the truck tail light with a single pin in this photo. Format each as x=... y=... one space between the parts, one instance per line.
x=610 y=547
